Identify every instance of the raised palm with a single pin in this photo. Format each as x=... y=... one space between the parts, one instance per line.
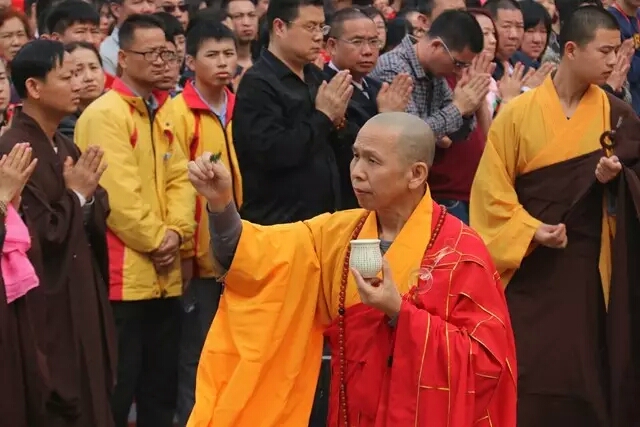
x=211 y=179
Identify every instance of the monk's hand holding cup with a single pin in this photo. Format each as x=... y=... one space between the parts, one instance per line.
x=15 y=170
x=212 y=180
x=379 y=293
x=607 y=169
x=551 y=236
x=83 y=176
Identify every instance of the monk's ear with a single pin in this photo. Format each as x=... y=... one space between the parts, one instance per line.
x=418 y=176
x=34 y=87
x=570 y=50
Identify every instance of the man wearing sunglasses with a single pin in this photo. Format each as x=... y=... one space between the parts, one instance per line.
x=177 y=8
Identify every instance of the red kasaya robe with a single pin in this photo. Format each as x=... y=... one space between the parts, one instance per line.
x=449 y=361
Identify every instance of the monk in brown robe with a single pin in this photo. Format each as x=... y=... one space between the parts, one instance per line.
x=557 y=206
x=65 y=212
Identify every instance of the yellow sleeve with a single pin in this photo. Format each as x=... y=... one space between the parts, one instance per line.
x=183 y=134
x=260 y=362
x=181 y=196
x=131 y=217
x=495 y=212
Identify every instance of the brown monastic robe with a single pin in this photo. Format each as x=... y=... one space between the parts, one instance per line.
x=71 y=316
x=579 y=362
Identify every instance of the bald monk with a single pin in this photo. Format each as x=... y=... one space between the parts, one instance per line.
x=428 y=343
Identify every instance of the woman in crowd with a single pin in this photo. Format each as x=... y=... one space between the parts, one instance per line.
x=537 y=27
x=381 y=24
x=107 y=20
x=18 y=403
x=15 y=32
x=92 y=79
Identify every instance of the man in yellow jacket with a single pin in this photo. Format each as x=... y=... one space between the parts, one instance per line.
x=202 y=123
x=152 y=214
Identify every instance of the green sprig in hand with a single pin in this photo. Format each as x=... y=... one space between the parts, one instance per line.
x=215 y=157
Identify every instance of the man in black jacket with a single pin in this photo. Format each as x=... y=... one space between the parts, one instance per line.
x=354 y=45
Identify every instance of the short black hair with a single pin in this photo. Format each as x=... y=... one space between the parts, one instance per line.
x=172 y=27
x=372 y=12
x=207 y=30
x=458 y=29
x=73 y=46
x=71 y=12
x=135 y=22
x=43 y=8
x=210 y=14
x=288 y=10
x=583 y=23
x=225 y=3
x=35 y=59
x=493 y=6
x=566 y=7
x=533 y=13
x=343 y=15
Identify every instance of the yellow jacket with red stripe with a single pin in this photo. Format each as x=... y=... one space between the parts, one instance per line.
x=149 y=190
x=198 y=129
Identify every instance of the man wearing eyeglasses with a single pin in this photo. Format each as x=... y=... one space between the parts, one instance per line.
x=178 y=8
x=152 y=213
x=353 y=45
x=451 y=44
x=284 y=116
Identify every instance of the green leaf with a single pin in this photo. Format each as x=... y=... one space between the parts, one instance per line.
x=215 y=157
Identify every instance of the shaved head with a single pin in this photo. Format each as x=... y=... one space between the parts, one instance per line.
x=416 y=140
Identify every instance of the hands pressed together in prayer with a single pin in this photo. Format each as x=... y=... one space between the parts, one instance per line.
x=379 y=293
x=333 y=97
x=395 y=96
x=623 y=63
x=15 y=170
x=83 y=176
x=473 y=86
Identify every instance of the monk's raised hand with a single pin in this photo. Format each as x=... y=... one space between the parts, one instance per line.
x=212 y=180
x=551 y=236
x=84 y=175
x=15 y=170
x=379 y=293
x=608 y=168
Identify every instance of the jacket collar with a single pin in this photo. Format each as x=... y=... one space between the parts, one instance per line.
x=195 y=102
x=136 y=101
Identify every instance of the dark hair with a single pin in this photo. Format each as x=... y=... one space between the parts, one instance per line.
x=73 y=46
x=71 y=12
x=458 y=29
x=566 y=7
x=483 y=12
x=207 y=30
x=210 y=14
x=583 y=23
x=10 y=13
x=397 y=29
x=225 y=3
x=533 y=13
x=372 y=12
x=135 y=22
x=35 y=59
x=288 y=10
x=493 y=6
x=172 y=27
x=343 y=15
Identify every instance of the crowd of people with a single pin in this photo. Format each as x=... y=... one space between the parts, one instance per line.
x=167 y=162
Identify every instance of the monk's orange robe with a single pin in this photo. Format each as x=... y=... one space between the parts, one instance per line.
x=449 y=360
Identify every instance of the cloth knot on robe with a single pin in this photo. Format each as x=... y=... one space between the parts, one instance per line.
x=17 y=272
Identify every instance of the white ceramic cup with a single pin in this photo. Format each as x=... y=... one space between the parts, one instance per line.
x=366 y=257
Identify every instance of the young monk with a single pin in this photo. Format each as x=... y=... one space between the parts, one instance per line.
x=428 y=343
x=560 y=221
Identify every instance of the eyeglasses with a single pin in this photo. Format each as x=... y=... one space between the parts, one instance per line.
x=170 y=8
x=456 y=62
x=312 y=27
x=360 y=43
x=154 y=55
